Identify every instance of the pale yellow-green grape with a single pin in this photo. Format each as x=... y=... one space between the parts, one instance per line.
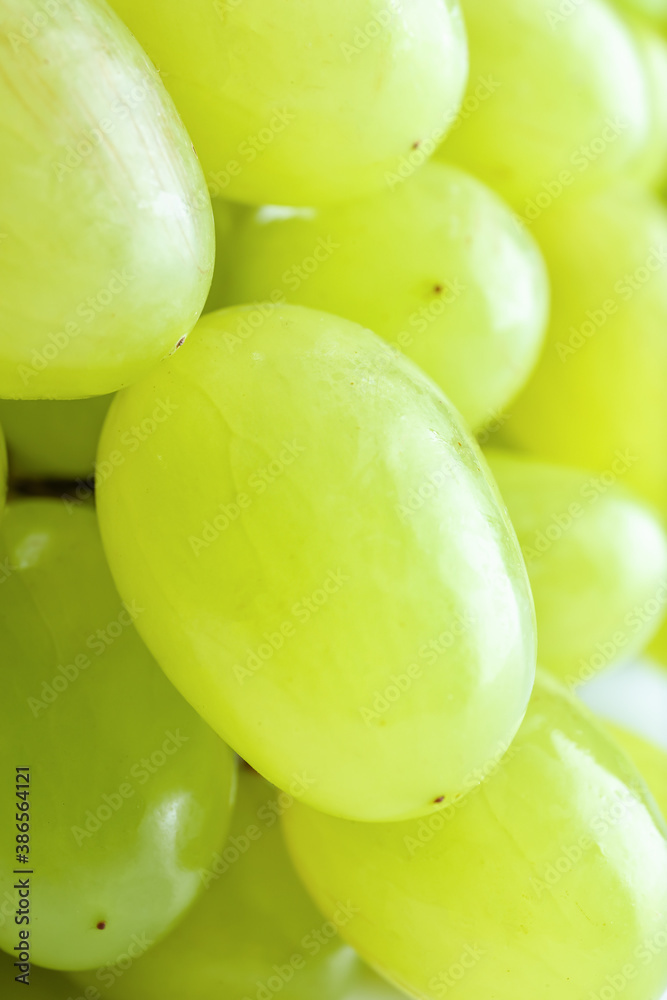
x=225 y=216
x=328 y=573
x=106 y=233
x=42 y=984
x=254 y=930
x=549 y=880
x=655 y=10
x=439 y=267
x=308 y=102
x=557 y=99
x=596 y=560
x=648 y=758
x=53 y=438
x=597 y=398
x=128 y=791
x=651 y=168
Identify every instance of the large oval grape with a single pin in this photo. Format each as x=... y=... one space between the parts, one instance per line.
x=550 y=879
x=106 y=253
x=130 y=791
x=596 y=559
x=309 y=102
x=327 y=571
x=438 y=267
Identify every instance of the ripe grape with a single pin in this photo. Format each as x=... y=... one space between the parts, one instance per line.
x=327 y=571
x=254 y=930
x=556 y=99
x=309 y=102
x=102 y=206
x=597 y=398
x=550 y=879
x=596 y=559
x=130 y=792
x=438 y=267
x=53 y=438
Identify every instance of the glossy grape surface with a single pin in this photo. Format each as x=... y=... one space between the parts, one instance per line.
x=327 y=573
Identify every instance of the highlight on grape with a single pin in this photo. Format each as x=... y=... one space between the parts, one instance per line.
x=333 y=499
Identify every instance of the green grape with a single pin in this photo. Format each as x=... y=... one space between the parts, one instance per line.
x=130 y=791
x=254 y=931
x=648 y=758
x=328 y=574
x=309 y=102
x=103 y=206
x=557 y=99
x=597 y=398
x=550 y=879
x=438 y=267
x=43 y=985
x=596 y=559
x=53 y=438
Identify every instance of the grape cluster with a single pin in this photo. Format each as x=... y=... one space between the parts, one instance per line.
x=333 y=487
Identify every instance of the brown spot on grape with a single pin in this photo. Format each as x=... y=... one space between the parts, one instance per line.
x=417 y=144
x=437 y=289
x=180 y=343
x=101 y=925
x=440 y=798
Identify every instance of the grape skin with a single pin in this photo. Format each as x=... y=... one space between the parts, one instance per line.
x=131 y=792
x=438 y=267
x=279 y=512
x=596 y=559
x=80 y=105
x=312 y=102
x=549 y=878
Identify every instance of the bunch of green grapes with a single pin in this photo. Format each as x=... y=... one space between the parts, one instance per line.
x=129 y=791
x=313 y=533
x=439 y=267
x=309 y=102
x=558 y=99
x=596 y=559
x=597 y=398
x=254 y=929
x=103 y=206
x=53 y=438
x=550 y=879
